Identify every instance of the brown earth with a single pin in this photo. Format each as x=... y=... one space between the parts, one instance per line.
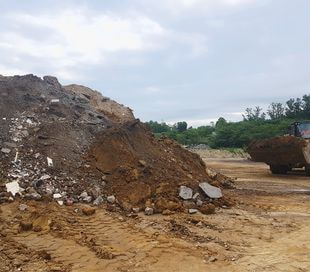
x=267 y=230
x=282 y=150
x=96 y=146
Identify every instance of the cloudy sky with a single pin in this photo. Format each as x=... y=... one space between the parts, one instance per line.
x=169 y=60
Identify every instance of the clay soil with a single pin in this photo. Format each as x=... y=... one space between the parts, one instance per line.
x=267 y=230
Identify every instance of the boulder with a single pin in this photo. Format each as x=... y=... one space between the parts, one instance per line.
x=210 y=191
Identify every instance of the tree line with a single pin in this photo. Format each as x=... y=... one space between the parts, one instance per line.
x=256 y=124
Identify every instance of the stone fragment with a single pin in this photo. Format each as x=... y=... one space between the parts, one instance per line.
x=135 y=210
x=13 y=187
x=57 y=196
x=212 y=174
x=192 y=211
x=83 y=195
x=87 y=199
x=98 y=200
x=45 y=177
x=210 y=191
x=5 y=150
x=23 y=207
x=185 y=192
x=111 y=199
x=49 y=162
x=148 y=211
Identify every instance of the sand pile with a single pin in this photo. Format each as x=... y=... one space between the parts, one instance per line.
x=72 y=144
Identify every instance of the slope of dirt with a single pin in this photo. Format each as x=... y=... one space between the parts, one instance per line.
x=115 y=111
x=72 y=144
x=142 y=169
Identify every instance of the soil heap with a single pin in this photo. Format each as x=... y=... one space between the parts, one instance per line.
x=70 y=143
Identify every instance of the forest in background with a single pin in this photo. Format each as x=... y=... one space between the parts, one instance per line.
x=256 y=124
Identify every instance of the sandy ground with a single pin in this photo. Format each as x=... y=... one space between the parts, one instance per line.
x=267 y=230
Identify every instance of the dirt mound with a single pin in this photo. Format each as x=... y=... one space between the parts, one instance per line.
x=141 y=169
x=278 y=150
x=68 y=144
x=105 y=105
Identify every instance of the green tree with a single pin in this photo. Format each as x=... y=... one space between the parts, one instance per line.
x=276 y=111
x=181 y=126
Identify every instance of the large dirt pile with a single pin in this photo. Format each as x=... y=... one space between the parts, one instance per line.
x=72 y=144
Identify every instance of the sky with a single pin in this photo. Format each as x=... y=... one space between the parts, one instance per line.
x=168 y=60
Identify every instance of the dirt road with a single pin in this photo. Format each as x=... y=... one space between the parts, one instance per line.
x=266 y=230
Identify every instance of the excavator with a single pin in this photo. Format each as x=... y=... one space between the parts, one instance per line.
x=283 y=153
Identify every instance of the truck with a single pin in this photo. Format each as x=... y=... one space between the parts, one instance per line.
x=283 y=153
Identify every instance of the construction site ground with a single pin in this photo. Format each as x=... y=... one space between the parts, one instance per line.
x=266 y=230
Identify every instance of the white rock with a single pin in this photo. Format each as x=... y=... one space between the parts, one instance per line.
x=13 y=188
x=211 y=173
x=111 y=199
x=23 y=207
x=60 y=202
x=5 y=150
x=56 y=196
x=54 y=101
x=88 y=199
x=148 y=211
x=49 y=162
x=83 y=195
x=135 y=210
x=195 y=196
x=192 y=211
x=185 y=192
x=98 y=200
x=210 y=191
x=45 y=177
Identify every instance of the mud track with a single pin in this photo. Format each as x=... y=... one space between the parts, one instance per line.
x=267 y=230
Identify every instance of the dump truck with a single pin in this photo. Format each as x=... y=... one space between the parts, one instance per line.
x=283 y=153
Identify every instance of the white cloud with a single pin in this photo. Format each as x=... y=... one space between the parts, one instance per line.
x=71 y=39
x=74 y=38
x=177 y=7
x=5 y=71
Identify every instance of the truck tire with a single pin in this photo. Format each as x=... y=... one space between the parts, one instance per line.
x=307 y=168
x=279 y=169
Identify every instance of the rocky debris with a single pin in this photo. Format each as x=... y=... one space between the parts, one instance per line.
x=23 y=207
x=148 y=211
x=88 y=210
x=211 y=173
x=136 y=210
x=185 y=192
x=33 y=196
x=111 y=199
x=192 y=211
x=99 y=200
x=13 y=188
x=57 y=196
x=68 y=140
x=210 y=191
x=105 y=105
x=5 y=150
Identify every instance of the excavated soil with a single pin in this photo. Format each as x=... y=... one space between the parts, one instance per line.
x=72 y=144
x=267 y=230
x=282 y=150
